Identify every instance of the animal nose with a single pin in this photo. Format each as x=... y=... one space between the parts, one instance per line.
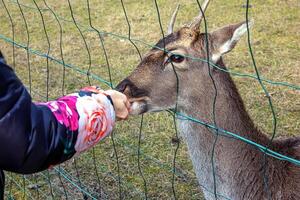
x=130 y=89
x=121 y=87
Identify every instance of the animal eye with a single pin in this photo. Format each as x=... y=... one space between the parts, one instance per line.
x=175 y=58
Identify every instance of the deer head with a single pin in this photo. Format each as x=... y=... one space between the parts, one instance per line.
x=164 y=79
x=152 y=86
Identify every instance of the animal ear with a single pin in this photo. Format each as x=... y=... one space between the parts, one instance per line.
x=225 y=39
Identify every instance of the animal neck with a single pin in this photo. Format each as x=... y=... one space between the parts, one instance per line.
x=230 y=115
x=222 y=107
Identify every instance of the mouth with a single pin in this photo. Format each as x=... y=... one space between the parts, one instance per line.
x=138 y=106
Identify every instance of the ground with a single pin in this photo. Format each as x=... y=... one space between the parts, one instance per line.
x=275 y=39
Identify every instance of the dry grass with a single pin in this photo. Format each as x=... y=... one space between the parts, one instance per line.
x=275 y=39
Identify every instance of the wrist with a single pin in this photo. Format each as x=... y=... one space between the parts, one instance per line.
x=110 y=99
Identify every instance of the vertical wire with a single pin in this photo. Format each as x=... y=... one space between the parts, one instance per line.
x=13 y=34
x=60 y=44
x=214 y=101
x=19 y=186
x=87 y=74
x=118 y=165
x=111 y=85
x=14 y=67
x=43 y=175
x=96 y=170
x=129 y=31
x=29 y=73
x=48 y=49
x=176 y=135
x=102 y=44
x=84 y=41
x=142 y=117
x=68 y=177
x=24 y=186
x=285 y=84
x=110 y=80
x=50 y=184
x=265 y=161
x=10 y=187
x=36 y=182
x=85 y=197
x=63 y=78
x=176 y=104
x=47 y=78
x=139 y=158
x=27 y=47
x=62 y=183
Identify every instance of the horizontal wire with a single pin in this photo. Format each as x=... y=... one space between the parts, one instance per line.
x=87 y=28
x=21 y=188
x=107 y=172
x=180 y=114
x=38 y=53
x=46 y=177
x=65 y=176
x=126 y=144
x=260 y=147
x=108 y=84
x=236 y=136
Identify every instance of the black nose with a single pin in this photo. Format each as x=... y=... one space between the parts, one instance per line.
x=123 y=84
x=130 y=89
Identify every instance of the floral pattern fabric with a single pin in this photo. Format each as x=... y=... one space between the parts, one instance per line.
x=88 y=112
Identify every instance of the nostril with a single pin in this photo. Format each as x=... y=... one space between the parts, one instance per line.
x=122 y=85
x=130 y=89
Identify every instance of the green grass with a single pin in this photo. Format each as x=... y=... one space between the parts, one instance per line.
x=275 y=39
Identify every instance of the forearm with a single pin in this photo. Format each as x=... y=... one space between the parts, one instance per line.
x=29 y=134
x=88 y=114
x=35 y=136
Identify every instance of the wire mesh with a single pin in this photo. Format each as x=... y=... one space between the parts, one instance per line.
x=98 y=174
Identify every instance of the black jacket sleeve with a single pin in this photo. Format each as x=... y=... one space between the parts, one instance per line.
x=31 y=139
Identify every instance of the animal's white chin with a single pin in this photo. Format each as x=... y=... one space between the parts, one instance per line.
x=138 y=107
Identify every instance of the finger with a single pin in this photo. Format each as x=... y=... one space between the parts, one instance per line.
x=127 y=104
x=125 y=114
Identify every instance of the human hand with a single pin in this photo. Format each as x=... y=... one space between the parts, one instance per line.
x=121 y=104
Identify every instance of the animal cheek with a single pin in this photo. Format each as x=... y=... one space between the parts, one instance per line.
x=176 y=67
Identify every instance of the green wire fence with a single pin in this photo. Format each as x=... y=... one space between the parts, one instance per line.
x=103 y=172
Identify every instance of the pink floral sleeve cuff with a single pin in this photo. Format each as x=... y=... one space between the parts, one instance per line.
x=89 y=113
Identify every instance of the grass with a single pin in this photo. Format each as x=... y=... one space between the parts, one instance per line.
x=275 y=40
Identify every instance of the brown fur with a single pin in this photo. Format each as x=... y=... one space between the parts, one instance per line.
x=241 y=170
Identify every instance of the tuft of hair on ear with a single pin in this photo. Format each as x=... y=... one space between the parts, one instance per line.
x=2 y=59
x=224 y=39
